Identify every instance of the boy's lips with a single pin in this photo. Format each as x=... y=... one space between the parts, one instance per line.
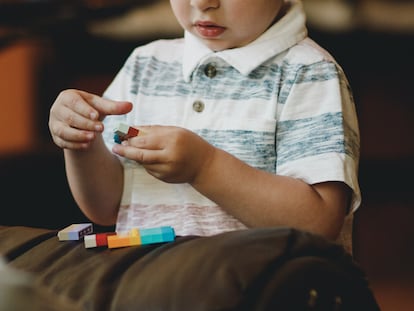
x=208 y=29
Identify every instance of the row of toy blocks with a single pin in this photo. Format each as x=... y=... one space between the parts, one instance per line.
x=142 y=237
x=123 y=132
x=75 y=232
x=114 y=240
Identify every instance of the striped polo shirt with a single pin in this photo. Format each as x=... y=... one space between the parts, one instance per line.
x=281 y=104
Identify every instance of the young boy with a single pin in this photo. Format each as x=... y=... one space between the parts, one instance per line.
x=244 y=122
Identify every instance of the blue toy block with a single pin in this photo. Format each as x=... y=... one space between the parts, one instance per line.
x=117 y=139
x=157 y=235
x=168 y=234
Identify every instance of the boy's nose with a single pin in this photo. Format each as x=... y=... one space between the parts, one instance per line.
x=204 y=5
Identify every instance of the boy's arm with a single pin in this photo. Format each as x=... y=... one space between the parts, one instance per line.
x=258 y=198
x=94 y=174
x=255 y=197
x=96 y=181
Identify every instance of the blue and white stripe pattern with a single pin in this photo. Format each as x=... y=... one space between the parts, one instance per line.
x=289 y=112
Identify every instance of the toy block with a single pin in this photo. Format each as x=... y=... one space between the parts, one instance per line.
x=123 y=132
x=151 y=235
x=135 y=238
x=130 y=238
x=97 y=240
x=117 y=139
x=157 y=235
x=118 y=240
x=122 y=129
x=75 y=232
x=132 y=132
x=90 y=241
x=168 y=234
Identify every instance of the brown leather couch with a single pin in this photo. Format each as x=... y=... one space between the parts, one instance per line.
x=254 y=269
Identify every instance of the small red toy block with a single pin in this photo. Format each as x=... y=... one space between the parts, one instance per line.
x=132 y=132
x=75 y=232
x=97 y=240
x=123 y=132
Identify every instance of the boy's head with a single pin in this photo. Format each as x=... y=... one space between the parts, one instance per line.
x=225 y=24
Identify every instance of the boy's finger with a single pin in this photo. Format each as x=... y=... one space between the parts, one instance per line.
x=106 y=106
x=142 y=156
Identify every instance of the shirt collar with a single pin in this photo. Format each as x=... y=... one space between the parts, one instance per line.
x=288 y=31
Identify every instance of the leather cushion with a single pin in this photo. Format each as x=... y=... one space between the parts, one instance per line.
x=253 y=269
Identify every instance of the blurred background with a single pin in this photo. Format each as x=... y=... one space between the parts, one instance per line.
x=50 y=45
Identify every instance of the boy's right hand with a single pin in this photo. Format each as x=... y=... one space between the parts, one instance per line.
x=76 y=116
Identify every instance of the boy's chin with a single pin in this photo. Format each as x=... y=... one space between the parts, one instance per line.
x=217 y=45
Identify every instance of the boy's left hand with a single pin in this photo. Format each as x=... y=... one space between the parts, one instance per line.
x=172 y=154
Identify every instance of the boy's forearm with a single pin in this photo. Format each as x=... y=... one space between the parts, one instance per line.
x=258 y=198
x=96 y=181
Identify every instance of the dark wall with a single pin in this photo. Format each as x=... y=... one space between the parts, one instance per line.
x=35 y=192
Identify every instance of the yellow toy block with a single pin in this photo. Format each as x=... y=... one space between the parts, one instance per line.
x=135 y=238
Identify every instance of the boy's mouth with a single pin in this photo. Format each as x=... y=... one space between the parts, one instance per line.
x=208 y=29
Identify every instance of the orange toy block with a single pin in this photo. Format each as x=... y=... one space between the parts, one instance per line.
x=131 y=238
